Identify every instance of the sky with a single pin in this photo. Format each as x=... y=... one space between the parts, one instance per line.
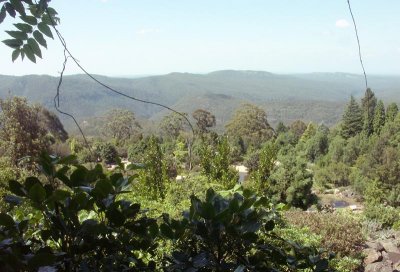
x=130 y=37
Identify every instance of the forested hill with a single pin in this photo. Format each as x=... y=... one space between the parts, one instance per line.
x=319 y=97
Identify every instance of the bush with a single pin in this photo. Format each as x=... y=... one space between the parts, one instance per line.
x=234 y=233
x=341 y=233
x=107 y=152
x=80 y=222
x=387 y=216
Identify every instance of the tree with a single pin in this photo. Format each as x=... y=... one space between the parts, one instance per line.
x=250 y=123
x=215 y=162
x=36 y=21
x=379 y=117
x=204 y=120
x=51 y=122
x=368 y=108
x=281 y=128
x=266 y=163
x=391 y=111
x=120 y=124
x=298 y=127
x=154 y=176
x=291 y=182
x=21 y=133
x=309 y=132
x=318 y=144
x=352 y=121
x=172 y=125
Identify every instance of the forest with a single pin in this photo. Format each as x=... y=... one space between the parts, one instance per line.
x=187 y=193
x=170 y=200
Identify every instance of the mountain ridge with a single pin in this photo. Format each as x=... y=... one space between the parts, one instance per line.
x=284 y=96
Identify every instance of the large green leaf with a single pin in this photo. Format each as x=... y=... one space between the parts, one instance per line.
x=10 y=9
x=19 y=35
x=35 y=47
x=29 y=53
x=30 y=182
x=78 y=177
x=15 y=54
x=37 y=193
x=166 y=231
x=45 y=29
x=2 y=14
x=29 y=19
x=39 y=38
x=24 y=27
x=115 y=217
x=6 y=220
x=102 y=188
x=13 y=43
x=18 y=6
x=16 y=188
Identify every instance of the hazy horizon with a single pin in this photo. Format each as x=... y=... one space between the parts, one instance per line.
x=156 y=37
x=201 y=73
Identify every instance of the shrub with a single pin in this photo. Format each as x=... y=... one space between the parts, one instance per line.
x=387 y=216
x=341 y=233
x=81 y=219
x=234 y=233
x=106 y=151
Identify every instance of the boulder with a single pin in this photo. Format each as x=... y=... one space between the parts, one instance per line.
x=394 y=257
x=390 y=246
x=373 y=256
x=375 y=245
x=379 y=267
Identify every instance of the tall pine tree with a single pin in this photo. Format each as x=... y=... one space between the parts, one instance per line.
x=352 y=121
x=379 y=117
x=391 y=111
x=368 y=109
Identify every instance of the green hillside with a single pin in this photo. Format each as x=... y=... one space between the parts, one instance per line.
x=285 y=97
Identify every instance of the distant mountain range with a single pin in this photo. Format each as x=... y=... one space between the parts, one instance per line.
x=318 y=97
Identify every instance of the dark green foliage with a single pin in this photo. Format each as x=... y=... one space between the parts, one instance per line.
x=23 y=41
x=106 y=240
x=368 y=108
x=153 y=177
x=21 y=132
x=172 y=125
x=291 y=182
x=335 y=174
x=215 y=162
x=233 y=234
x=281 y=128
x=352 y=121
x=136 y=150
x=318 y=144
x=121 y=125
x=267 y=159
x=204 y=120
x=379 y=117
x=250 y=124
x=391 y=112
x=106 y=152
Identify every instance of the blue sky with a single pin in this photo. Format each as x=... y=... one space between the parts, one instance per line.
x=130 y=37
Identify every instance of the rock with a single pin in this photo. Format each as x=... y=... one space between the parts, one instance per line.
x=385 y=256
x=375 y=245
x=394 y=257
x=390 y=246
x=379 y=267
x=373 y=256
